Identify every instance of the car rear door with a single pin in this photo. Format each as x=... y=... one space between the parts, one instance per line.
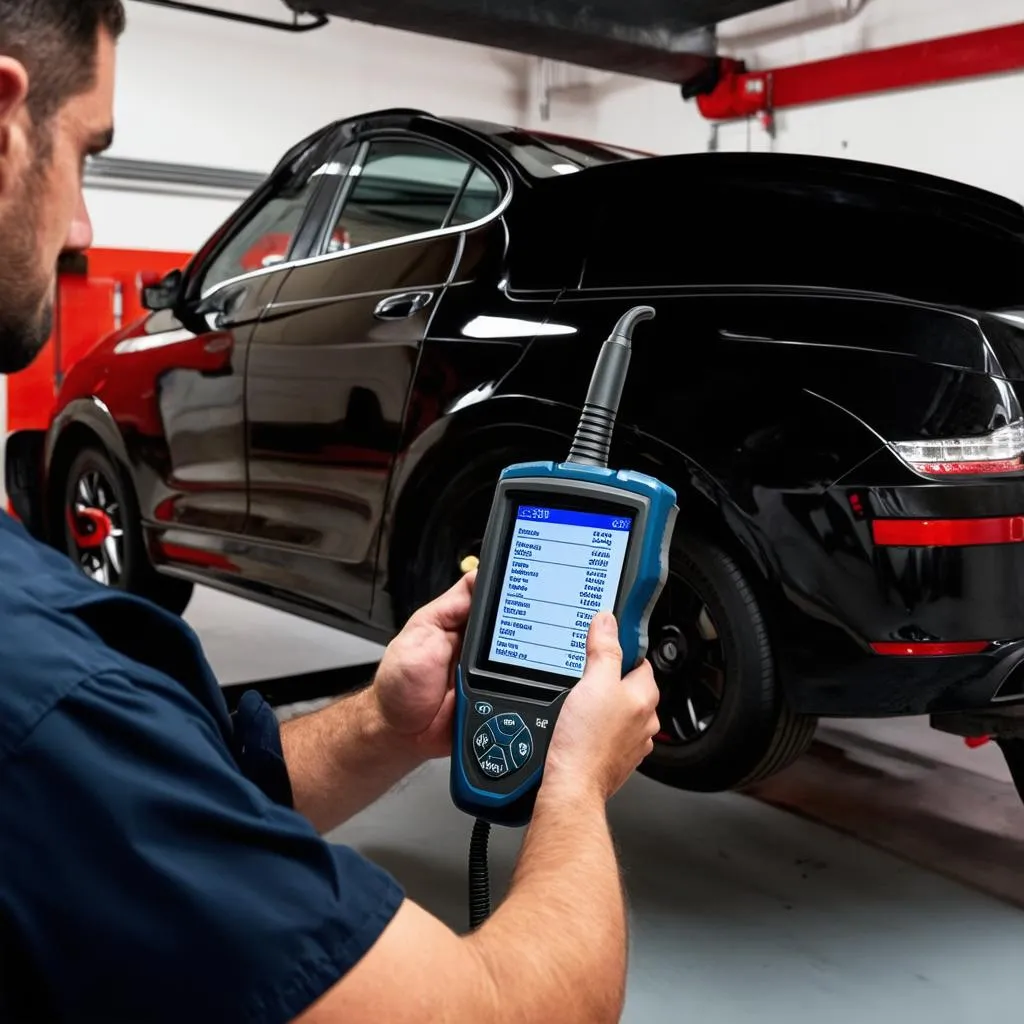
x=333 y=360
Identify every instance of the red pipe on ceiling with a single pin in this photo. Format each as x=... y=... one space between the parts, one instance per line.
x=741 y=93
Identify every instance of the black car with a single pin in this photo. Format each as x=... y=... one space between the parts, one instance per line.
x=315 y=412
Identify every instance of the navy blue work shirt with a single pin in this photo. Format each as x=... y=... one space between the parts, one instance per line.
x=152 y=868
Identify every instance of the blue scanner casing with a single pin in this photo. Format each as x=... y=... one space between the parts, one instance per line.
x=505 y=714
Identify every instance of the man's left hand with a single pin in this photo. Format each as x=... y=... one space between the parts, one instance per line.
x=414 y=688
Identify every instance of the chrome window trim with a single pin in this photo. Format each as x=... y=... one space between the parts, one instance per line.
x=373 y=246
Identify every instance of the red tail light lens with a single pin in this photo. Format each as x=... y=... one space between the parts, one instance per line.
x=932 y=649
x=947 y=533
x=1001 y=451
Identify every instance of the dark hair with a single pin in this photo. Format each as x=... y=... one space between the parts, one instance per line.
x=56 y=40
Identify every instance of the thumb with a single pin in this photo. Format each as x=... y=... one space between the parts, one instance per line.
x=603 y=649
x=450 y=610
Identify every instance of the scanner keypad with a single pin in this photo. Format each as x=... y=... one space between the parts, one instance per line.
x=503 y=745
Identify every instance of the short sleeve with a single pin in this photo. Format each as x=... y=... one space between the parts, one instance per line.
x=145 y=878
x=256 y=747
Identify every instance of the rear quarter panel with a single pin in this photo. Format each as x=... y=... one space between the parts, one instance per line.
x=757 y=407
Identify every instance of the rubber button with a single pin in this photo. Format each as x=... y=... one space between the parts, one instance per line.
x=483 y=740
x=507 y=724
x=483 y=708
x=521 y=748
x=493 y=763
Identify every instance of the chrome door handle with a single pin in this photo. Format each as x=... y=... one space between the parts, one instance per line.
x=401 y=307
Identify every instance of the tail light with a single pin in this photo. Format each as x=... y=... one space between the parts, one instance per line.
x=947 y=533
x=931 y=648
x=1002 y=451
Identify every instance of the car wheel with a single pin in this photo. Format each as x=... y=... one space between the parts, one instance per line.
x=725 y=725
x=102 y=532
x=452 y=532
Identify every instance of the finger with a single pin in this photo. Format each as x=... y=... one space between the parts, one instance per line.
x=653 y=728
x=450 y=611
x=642 y=680
x=603 y=650
x=447 y=710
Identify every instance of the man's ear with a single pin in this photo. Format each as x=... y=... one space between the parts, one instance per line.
x=13 y=90
x=13 y=117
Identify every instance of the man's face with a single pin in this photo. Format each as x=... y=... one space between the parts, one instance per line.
x=42 y=208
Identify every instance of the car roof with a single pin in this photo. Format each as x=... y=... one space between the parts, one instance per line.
x=839 y=179
x=837 y=182
x=758 y=168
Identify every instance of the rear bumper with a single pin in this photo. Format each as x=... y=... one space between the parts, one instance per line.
x=23 y=478
x=881 y=686
x=849 y=591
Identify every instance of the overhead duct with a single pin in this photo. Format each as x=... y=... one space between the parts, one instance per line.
x=117 y=174
x=666 y=40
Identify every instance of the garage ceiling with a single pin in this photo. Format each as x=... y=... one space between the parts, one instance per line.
x=667 y=40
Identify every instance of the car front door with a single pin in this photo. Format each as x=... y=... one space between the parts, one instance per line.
x=332 y=362
x=185 y=368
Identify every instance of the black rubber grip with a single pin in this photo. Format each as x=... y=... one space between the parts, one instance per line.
x=593 y=440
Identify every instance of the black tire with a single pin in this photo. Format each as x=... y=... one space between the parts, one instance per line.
x=452 y=530
x=107 y=542
x=753 y=735
x=738 y=728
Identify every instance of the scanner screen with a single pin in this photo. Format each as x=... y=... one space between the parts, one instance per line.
x=563 y=567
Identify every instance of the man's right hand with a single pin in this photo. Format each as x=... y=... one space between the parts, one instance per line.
x=559 y=938
x=608 y=723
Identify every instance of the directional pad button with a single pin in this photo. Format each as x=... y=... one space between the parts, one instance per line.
x=493 y=763
x=521 y=748
x=508 y=725
x=483 y=740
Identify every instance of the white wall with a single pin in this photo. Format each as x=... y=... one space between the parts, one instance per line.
x=969 y=131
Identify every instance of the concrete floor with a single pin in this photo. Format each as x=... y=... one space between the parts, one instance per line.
x=740 y=910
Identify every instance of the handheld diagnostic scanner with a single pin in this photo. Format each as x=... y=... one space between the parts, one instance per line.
x=563 y=541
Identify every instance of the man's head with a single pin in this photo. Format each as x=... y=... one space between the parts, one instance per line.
x=56 y=109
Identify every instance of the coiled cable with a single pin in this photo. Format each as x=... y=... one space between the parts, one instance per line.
x=479 y=876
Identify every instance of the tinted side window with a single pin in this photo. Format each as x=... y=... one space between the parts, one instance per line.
x=265 y=238
x=402 y=188
x=479 y=199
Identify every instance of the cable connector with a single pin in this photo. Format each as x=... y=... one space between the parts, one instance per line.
x=593 y=440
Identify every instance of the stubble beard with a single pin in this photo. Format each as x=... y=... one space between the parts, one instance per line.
x=26 y=302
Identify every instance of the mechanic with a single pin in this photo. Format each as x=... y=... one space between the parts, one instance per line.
x=164 y=861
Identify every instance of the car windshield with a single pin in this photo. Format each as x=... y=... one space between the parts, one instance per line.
x=546 y=156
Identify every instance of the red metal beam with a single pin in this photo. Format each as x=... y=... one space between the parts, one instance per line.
x=742 y=93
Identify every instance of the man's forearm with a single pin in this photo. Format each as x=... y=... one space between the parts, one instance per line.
x=556 y=948
x=341 y=759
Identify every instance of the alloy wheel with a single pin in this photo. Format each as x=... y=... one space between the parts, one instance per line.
x=685 y=651
x=96 y=527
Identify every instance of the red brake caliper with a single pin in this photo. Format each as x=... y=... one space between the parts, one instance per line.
x=90 y=527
